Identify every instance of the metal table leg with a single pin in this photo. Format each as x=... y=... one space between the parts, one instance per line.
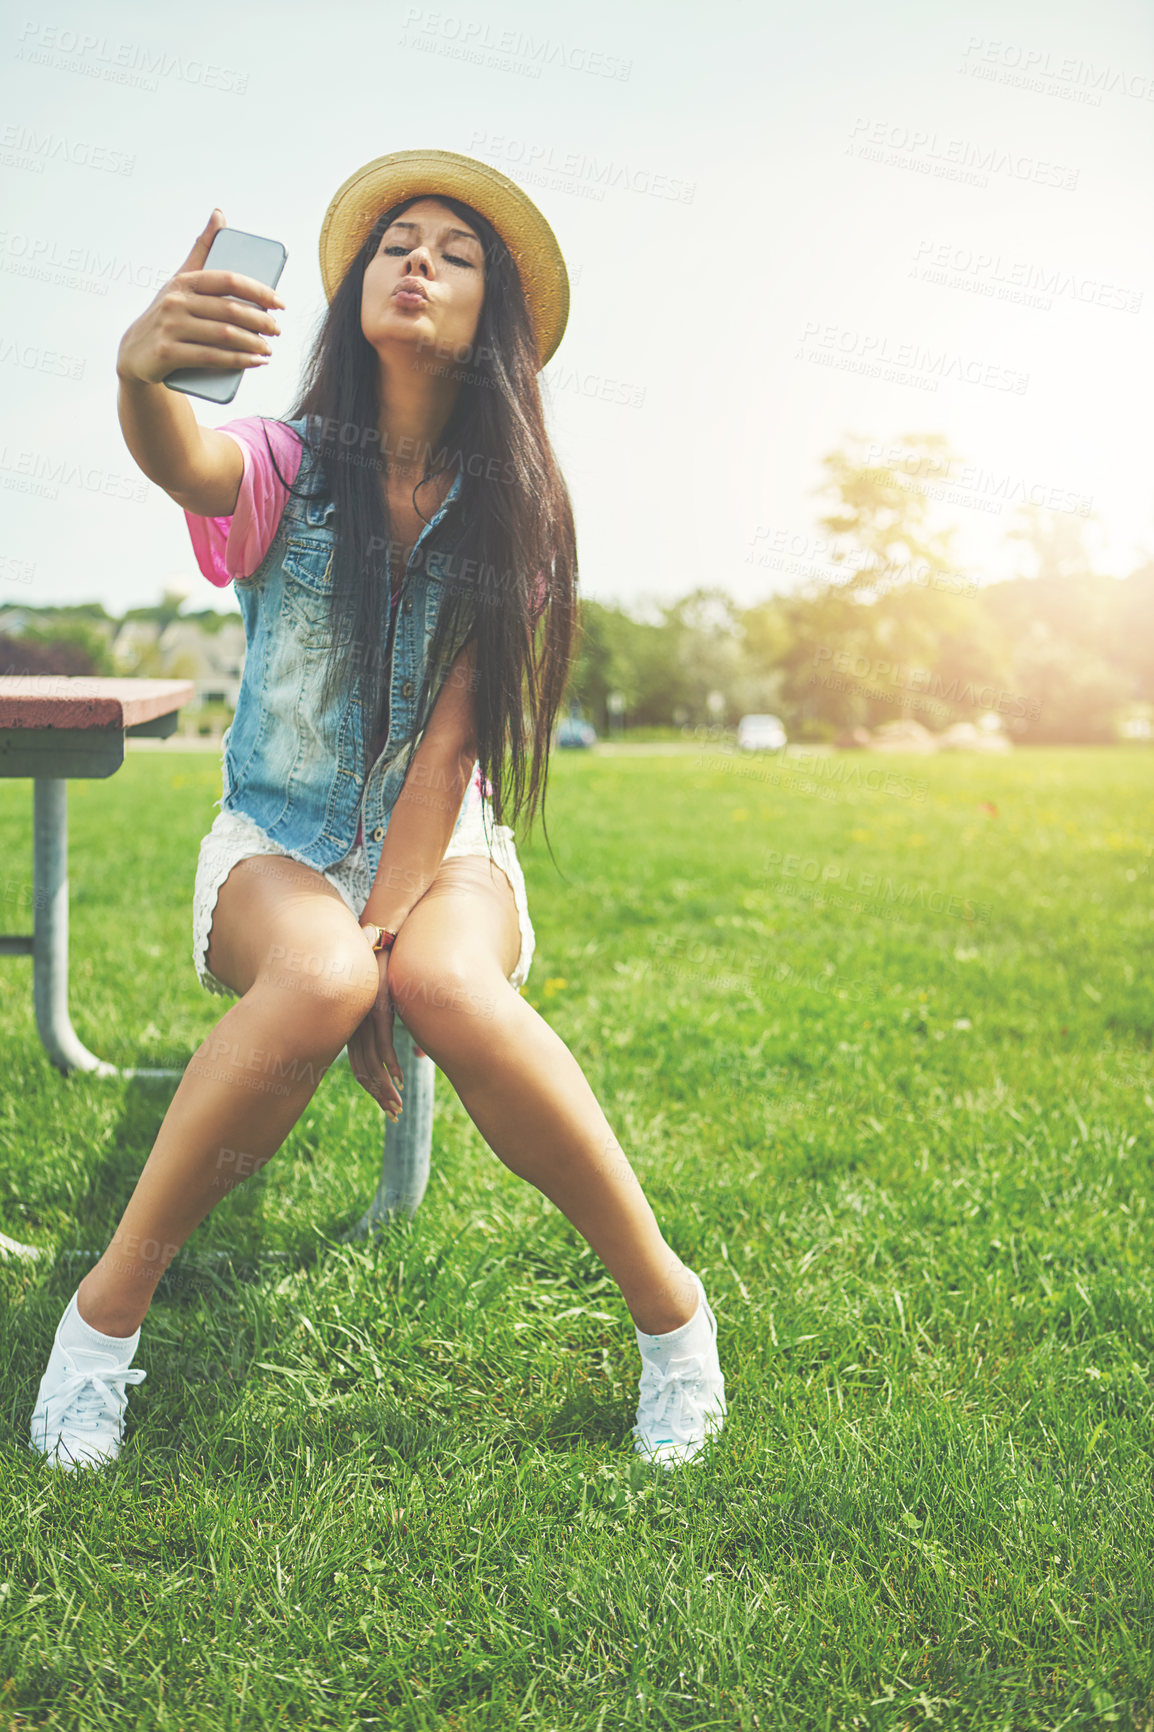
x=408 y=1143
x=50 y=942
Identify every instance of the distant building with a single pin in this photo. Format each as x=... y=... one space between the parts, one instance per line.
x=214 y=659
x=133 y=642
x=183 y=649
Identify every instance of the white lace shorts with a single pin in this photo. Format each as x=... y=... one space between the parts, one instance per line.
x=235 y=837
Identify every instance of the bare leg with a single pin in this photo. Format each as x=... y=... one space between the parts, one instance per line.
x=522 y=1087
x=251 y=1078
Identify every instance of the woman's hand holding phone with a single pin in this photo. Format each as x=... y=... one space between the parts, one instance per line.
x=191 y=324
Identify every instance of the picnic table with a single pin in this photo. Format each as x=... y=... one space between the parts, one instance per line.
x=52 y=727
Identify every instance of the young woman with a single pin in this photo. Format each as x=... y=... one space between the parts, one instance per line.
x=404 y=557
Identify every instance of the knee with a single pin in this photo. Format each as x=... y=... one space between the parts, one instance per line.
x=438 y=992
x=326 y=991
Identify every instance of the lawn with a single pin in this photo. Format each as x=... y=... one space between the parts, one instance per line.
x=879 y=1048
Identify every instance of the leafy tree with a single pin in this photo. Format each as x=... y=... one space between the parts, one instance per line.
x=767 y=631
x=879 y=515
x=40 y=651
x=892 y=598
x=1074 y=632
x=619 y=653
x=1135 y=652
x=706 y=642
x=1056 y=541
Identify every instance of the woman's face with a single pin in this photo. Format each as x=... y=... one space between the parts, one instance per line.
x=425 y=284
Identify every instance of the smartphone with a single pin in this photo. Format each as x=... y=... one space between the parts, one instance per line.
x=251 y=256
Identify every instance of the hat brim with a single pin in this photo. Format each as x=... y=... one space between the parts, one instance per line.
x=371 y=189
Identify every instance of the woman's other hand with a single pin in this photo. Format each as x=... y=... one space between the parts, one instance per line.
x=372 y=1056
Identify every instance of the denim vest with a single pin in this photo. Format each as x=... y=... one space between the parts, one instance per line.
x=295 y=769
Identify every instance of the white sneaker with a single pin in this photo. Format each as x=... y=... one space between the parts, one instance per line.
x=78 y=1420
x=684 y=1404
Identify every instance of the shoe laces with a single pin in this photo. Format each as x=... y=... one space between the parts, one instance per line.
x=674 y=1395
x=87 y=1400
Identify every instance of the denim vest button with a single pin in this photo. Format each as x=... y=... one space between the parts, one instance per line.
x=378 y=833
x=409 y=605
x=407 y=689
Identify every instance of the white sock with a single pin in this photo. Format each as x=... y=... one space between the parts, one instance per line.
x=79 y=1336
x=661 y=1350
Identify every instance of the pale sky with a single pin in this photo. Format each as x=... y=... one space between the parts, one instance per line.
x=783 y=225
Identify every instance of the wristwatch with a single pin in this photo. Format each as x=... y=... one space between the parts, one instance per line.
x=383 y=939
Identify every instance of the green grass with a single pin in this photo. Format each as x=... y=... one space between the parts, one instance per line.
x=902 y=1131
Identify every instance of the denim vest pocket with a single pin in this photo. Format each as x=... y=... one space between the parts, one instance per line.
x=308 y=590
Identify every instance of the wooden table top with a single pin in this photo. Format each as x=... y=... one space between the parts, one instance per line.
x=82 y=701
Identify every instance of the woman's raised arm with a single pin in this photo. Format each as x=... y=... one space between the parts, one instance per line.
x=190 y=324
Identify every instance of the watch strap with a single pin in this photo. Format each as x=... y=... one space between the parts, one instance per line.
x=383 y=939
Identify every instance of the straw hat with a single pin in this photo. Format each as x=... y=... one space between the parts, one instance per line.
x=359 y=201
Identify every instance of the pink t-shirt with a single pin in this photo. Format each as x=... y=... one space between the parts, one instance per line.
x=231 y=547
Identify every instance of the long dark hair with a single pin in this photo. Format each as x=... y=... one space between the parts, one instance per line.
x=511 y=571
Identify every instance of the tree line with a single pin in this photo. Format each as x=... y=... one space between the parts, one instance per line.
x=882 y=624
x=872 y=620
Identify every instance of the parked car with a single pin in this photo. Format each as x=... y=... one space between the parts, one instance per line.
x=760 y=734
x=965 y=737
x=572 y=731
